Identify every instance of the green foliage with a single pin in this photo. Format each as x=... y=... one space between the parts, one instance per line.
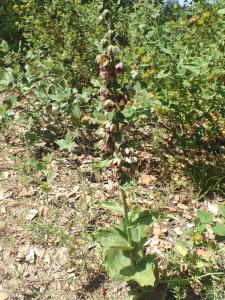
x=205 y=218
x=177 y=63
x=66 y=143
x=8 y=18
x=177 y=81
x=61 y=31
x=123 y=247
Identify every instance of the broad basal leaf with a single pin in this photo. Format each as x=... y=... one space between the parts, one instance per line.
x=115 y=261
x=145 y=273
x=219 y=229
x=113 y=206
x=111 y=238
x=204 y=216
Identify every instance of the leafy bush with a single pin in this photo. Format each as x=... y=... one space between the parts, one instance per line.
x=176 y=61
x=64 y=31
x=8 y=18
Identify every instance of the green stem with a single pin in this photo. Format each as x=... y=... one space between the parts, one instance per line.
x=127 y=224
x=191 y=278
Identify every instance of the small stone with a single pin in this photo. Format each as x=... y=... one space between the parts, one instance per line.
x=32 y=214
x=31 y=257
x=63 y=255
x=189 y=225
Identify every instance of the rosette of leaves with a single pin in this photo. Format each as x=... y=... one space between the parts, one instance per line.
x=123 y=246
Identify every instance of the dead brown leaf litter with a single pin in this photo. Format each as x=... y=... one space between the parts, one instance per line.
x=45 y=246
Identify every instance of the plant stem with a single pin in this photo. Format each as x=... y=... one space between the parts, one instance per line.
x=127 y=225
x=191 y=278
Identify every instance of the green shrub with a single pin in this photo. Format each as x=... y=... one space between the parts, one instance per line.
x=8 y=18
x=64 y=31
x=177 y=65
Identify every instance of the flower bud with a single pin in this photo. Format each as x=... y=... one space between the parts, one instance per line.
x=106 y=14
x=115 y=162
x=121 y=101
x=104 y=74
x=103 y=60
x=112 y=50
x=100 y=20
x=109 y=105
x=55 y=110
x=107 y=127
x=104 y=43
x=111 y=34
x=113 y=128
x=104 y=92
x=101 y=9
x=119 y=68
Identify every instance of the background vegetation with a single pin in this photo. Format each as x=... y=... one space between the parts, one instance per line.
x=174 y=76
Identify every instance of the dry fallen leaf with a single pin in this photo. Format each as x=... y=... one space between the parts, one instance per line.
x=182 y=206
x=43 y=210
x=47 y=258
x=3 y=210
x=147 y=179
x=178 y=231
x=4 y=296
x=23 y=252
x=203 y=254
x=213 y=208
x=40 y=252
x=27 y=193
x=73 y=192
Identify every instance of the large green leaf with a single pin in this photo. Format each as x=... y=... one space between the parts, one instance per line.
x=110 y=205
x=204 y=216
x=116 y=260
x=111 y=238
x=139 y=217
x=145 y=273
x=219 y=229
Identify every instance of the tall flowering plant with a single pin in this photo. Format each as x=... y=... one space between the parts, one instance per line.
x=123 y=245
